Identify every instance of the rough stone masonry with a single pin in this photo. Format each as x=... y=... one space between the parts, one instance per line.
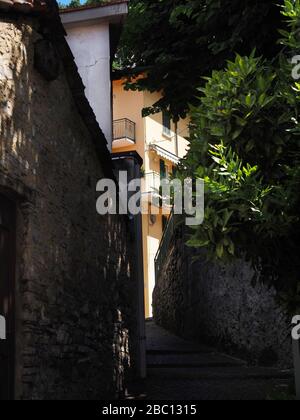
x=74 y=288
x=220 y=305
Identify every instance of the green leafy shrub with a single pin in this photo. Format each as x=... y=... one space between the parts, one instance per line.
x=245 y=144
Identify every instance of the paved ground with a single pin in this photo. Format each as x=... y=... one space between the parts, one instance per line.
x=182 y=370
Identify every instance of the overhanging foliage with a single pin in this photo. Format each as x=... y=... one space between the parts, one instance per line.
x=245 y=143
x=179 y=41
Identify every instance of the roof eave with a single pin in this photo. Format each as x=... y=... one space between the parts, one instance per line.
x=111 y=13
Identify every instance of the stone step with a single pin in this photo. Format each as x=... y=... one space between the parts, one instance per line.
x=213 y=388
x=185 y=360
x=224 y=373
x=160 y=340
x=179 y=352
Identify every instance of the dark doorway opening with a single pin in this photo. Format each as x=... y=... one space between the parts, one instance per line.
x=7 y=288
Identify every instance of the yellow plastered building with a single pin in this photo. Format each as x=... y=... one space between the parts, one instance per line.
x=161 y=144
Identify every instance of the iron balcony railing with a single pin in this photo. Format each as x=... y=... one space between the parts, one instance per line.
x=174 y=223
x=151 y=183
x=124 y=129
x=152 y=188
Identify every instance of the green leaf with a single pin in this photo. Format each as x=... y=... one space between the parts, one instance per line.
x=220 y=250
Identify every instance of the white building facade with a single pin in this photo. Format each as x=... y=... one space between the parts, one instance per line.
x=92 y=34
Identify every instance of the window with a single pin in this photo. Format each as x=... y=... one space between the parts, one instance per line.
x=163 y=175
x=166 y=123
x=163 y=169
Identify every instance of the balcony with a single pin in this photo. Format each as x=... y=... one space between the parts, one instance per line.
x=151 y=183
x=124 y=133
x=150 y=189
x=152 y=192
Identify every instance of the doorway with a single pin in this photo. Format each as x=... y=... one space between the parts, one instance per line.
x=7 y=287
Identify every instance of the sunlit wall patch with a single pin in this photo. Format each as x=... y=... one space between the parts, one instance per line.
x=2 y=328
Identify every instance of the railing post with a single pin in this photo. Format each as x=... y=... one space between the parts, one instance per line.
x=127 y=132
x=134 y=131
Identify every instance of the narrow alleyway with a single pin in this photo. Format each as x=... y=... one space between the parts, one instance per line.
x=182 y=370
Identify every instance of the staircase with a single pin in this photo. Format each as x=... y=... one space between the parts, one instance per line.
x=183 y=370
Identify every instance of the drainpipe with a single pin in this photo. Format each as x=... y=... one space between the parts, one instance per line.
x=176 y=139
x=132 y=163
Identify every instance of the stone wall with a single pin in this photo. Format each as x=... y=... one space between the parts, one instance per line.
x=75 y=289
x=221 y=306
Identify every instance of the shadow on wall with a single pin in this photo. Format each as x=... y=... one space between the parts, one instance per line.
x=74 y=292
x=219 y=305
